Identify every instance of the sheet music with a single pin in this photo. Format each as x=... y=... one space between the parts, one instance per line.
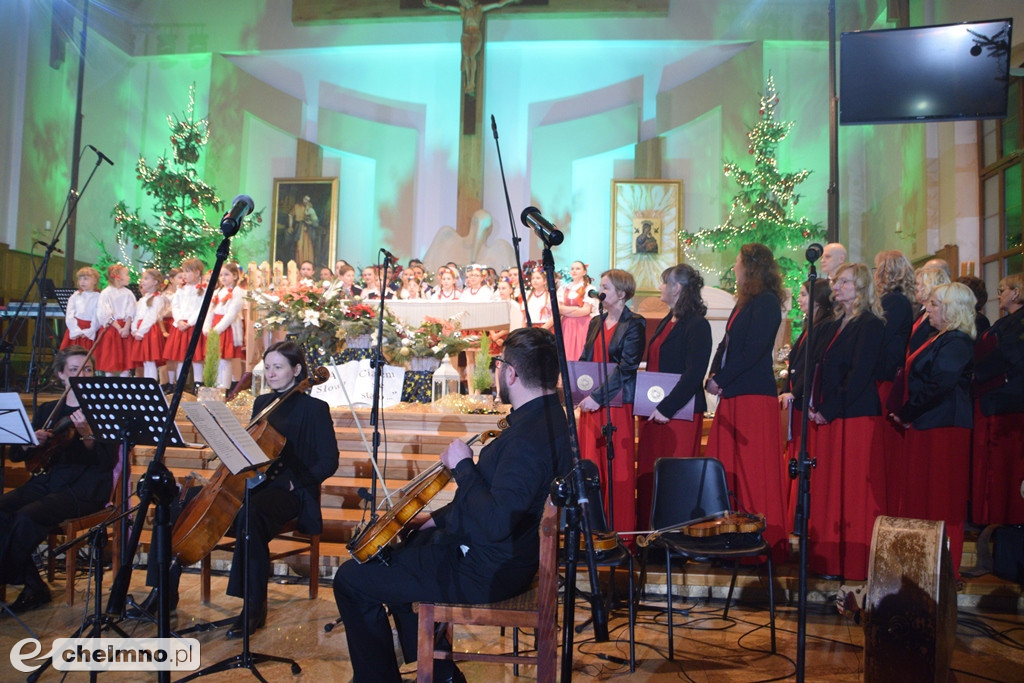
x=15 y=427
x=225 y=436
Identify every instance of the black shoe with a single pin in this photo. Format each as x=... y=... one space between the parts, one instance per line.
x=31 y=598
x=257 y=618
x=150 y=607
x=454 y=676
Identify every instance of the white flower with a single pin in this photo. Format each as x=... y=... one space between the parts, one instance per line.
x=436 y=349
x=330 y=294
x=407 y=342
x=310 y=318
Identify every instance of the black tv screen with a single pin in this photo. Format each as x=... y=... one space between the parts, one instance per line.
x=928 y=73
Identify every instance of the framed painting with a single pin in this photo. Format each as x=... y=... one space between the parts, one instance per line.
x=646 y=219
x=305 y=221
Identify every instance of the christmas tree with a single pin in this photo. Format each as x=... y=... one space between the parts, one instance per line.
x=762 y=211
x=181 y=203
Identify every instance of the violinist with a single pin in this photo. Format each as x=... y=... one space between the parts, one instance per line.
x=481 y=547
x=76 y=481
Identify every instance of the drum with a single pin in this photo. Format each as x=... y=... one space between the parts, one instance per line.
x=910 y=610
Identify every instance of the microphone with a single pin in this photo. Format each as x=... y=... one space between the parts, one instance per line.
x=241 y=206
x=388 y=256
x=594 y=294
x=548 y=233
x=47 y=244
x=101 y=155
x=814 y=252
x=494 y=127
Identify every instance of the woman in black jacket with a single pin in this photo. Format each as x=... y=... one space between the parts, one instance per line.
x=625 y=332
x=681 y=345
x=938 y=416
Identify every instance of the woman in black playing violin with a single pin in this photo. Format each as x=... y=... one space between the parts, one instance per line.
x=76 y=481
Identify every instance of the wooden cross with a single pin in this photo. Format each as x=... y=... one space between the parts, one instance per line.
x=474 y=36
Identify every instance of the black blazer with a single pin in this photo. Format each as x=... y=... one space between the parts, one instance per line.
x=798 y=358
x=939 y=384
x=310 y=455
x=685 y=351
x=625 y=349
x=747 y=349
x=899 y=317
x=921 y=335
x=1001 y=354
x=847 y=387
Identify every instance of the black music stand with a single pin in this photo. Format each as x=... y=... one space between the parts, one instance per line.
x=62 y=295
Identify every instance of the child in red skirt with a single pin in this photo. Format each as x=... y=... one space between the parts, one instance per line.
x=226 y=320
x=82 y=324
x=185 y=304
x=147 y=328
x=115 y=306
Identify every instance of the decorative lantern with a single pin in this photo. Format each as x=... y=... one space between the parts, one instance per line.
x=446 y=380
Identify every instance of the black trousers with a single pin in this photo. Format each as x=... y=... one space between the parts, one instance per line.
x=272 y=505
x=26 y=516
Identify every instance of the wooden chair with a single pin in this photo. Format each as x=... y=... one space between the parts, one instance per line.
x=537 y=608
x=288 y=542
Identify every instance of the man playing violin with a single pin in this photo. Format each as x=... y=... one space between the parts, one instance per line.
x=481 y=547
x=76 y=482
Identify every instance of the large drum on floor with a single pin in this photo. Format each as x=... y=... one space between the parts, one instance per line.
x=910 y=610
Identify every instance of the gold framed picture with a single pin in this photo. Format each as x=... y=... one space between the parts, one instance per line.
x=305 y=221
x=646 y=219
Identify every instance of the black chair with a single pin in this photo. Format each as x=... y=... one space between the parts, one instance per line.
x=610 y=553
x=688 y=489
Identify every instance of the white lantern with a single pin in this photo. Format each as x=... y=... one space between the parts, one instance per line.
x=446 y=380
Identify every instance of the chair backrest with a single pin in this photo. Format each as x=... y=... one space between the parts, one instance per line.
x=687 y=489
x=592 y=484
x=547 y=570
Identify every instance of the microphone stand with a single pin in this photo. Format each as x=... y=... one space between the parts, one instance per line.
x=159 y=485
x=512 y=224
x=800 y=468
x=572 y=494
x=608 y=429
x=377 y=363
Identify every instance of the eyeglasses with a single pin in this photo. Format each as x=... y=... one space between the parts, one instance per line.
x=845 y=281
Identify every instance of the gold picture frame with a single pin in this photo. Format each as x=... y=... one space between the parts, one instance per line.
x=646 y=219
x=304 y=230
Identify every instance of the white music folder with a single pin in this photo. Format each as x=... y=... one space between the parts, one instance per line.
x=225 y=436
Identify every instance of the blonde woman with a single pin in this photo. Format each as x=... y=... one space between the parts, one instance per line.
x=926 y=279
x=938 y=416
x=847 y=489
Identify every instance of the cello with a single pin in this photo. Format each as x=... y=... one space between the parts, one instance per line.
x=207 y=517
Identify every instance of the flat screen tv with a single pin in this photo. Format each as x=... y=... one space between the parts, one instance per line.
x=928 y=73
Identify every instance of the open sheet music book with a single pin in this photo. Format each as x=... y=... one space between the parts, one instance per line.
x=226 y=436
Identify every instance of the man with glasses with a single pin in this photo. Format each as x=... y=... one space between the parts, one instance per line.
x=482 y=547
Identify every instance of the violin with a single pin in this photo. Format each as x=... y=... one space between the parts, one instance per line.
x=374 y=540
x=713 y=525
x=206 y=518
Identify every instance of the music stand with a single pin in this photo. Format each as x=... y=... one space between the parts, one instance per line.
x=62 y=294
x=15 y=430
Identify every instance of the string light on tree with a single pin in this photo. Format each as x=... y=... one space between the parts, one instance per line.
x=763 y=208
x=181 y=202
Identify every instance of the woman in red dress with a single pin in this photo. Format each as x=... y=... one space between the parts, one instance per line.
x=625 y=332
x=745 y=433
x=681 y=345
x=848 y=486
x=938 y=416
x=576 y=308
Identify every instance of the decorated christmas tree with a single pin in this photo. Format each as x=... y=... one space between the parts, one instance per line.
x=763 y=209
x=182 y=203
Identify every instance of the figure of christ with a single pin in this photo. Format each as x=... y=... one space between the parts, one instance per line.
x=472 y=13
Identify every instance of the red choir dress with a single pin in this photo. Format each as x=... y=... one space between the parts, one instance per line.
x=745 y=432
x=936 y=454
x=848 y=486
x=998 y=466
x=684 y=348
x=149 y=312
x=625 y=349
x=185 y=304
x=899 y=317
x=113 y=352
x=574 y=329
x=80 y=317
x=227 y=321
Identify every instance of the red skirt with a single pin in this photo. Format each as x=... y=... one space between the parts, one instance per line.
x=150 y=348
x=623 y=466
x=228 y=348
x=177 y=343
x=979 y=507
x=891 y=442
x=938 y=461
x=574 y=332
x=675 y=439
x=793 y=453
x=113 y=352
x=1003 y=436
x=746 y=437
x=847 y=493
x=84 y=342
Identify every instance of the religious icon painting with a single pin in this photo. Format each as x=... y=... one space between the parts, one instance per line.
x=646 y=219
x=305 y=221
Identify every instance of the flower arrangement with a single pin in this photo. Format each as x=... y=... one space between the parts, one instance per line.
x=434 y=338
x=357 y=318
x=311 y=314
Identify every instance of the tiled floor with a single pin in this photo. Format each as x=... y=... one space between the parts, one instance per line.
x=989 y=646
